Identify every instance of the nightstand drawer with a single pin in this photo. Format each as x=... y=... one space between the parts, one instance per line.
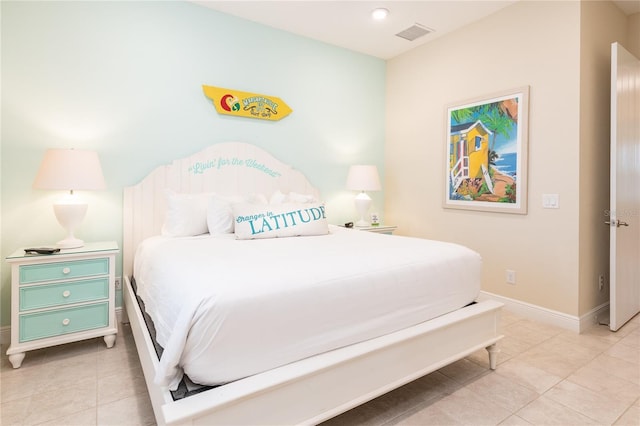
x=63 y=270
x=63 y=321
x=65 y=293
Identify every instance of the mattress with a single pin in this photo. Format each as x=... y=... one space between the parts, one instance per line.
x=225 y=309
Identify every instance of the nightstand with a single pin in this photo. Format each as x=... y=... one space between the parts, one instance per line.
x=380 y=229
x=62 y=298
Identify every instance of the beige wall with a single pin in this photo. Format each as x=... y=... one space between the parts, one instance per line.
x=633 y=34
x=529 y=43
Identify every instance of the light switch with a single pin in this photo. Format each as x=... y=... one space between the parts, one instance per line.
x=550 y=201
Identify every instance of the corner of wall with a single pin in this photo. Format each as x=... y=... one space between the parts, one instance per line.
x=633 y=34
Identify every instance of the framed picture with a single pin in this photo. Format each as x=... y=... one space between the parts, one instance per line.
x=486 y=160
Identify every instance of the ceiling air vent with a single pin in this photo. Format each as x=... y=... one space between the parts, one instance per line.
x=415 y=31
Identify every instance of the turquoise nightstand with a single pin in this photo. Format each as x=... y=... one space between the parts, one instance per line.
x=62 y=298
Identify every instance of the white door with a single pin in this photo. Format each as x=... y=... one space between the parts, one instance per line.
x=624 y=272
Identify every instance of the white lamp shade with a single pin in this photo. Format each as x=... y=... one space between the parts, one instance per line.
x=363 y=178
x=70 y=169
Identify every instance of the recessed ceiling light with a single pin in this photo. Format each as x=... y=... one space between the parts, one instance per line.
x=380 y=13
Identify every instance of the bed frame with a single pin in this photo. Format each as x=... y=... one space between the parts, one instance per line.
x=311 y=390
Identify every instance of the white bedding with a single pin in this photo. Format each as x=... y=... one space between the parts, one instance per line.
x=226 y=309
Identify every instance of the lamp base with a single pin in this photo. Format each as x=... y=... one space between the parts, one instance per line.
x=362 y=202
x=70 y=213
x=69 y=243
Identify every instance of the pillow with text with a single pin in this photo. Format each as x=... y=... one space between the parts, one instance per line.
x=253 y=221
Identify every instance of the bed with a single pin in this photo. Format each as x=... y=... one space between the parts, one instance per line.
x=315 y=374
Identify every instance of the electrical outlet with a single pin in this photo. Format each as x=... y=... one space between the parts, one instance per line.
x=118 y=283
x=511 y=276
x=600 y=282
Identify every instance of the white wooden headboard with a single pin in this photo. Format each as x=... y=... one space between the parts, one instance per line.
x=228 y=168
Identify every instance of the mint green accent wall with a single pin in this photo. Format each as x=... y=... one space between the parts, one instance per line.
x=124 y=79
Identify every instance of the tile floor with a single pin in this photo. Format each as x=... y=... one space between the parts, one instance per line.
x=545 y=376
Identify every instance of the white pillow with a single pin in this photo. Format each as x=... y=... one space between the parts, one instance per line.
x=220 y=215
x=294 y=197
x=279 y=197
x=256 y=199
x=186 y=214
x=281 y=220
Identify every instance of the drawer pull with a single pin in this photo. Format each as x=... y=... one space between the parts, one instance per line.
x=66 y=321
x=66 y=293
x=66 y=270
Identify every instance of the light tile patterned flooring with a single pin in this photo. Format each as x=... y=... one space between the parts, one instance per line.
x=545 y=376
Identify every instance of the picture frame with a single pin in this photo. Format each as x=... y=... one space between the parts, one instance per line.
x=486 y=152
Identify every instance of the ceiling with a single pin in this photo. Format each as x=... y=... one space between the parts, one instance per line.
x=349 y=24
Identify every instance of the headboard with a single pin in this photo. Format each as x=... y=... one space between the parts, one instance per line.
x=228 y=168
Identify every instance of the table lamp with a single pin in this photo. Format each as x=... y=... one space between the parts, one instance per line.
x=363 y=178
x=69 y=170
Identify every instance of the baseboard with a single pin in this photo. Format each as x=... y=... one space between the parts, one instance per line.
x=5 y=336
x=119 y=311
x=549 y=316
x=597 y=316
x=5 y=332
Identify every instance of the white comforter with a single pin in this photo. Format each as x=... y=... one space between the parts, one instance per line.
x=226 y=309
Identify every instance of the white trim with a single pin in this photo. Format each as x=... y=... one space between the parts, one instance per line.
x=549 y=316
x=597 y=316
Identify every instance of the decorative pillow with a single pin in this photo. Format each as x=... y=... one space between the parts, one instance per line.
x=220 y=215
x=256 y=199
x=294 y=197
x=279 y=197
x=281 y=220
x=186 y=214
